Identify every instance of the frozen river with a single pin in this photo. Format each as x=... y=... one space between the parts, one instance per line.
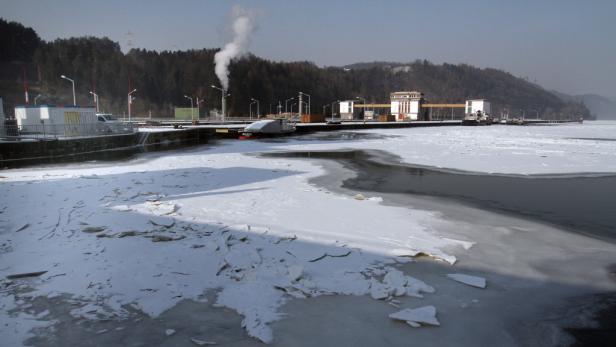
x=222 y=244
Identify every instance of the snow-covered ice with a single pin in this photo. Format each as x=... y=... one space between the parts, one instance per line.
x=250 y=228
x=545 y=149
x=417 y=316
x=263 y=234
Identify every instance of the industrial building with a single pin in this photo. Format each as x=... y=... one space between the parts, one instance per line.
x=61 y=121
x=349 y=110
x=477 y=105
x=406 y=105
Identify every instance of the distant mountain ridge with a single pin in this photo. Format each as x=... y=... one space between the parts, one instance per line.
x=600 y=106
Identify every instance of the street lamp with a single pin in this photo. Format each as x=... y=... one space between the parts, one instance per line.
x=130 y=101
x=363 y=112
x=73 y=83
x=308 y=109
x=223 y=107
x=285 y=104
x=332 y=109
x=199 y=102
x=324 y=107
x=95 y=99
x=192 y=117
x=35 y=98
x=258 y=106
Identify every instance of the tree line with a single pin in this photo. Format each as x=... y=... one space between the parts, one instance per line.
x=162 y=79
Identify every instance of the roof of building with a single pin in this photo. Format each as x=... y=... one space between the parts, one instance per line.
x=407 y=92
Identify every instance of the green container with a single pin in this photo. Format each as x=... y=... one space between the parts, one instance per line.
x=184 y=113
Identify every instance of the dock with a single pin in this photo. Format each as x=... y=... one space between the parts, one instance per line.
x=173 y=135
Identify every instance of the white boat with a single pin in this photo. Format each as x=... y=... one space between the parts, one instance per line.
x=477 y=118
x=268 y=127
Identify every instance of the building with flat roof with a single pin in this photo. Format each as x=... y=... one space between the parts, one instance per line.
x=478 y=105
x=348 y=111
x=406 y=105
x=63 y=121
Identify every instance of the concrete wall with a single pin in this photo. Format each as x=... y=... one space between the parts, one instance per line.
x=21 y=153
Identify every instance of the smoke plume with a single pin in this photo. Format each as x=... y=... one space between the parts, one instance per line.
x=243 y=26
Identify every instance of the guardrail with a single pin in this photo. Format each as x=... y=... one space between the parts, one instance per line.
x=60 y=131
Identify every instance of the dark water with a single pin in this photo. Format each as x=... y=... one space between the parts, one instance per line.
x=581 y=204
x=329 y=136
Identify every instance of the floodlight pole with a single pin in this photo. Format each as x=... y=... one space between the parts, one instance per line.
x=285 y=104
x=95 y=100
x=130 y=101
x=192 y=117
x=73 y=83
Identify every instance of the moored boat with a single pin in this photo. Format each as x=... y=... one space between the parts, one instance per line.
x=268 y=128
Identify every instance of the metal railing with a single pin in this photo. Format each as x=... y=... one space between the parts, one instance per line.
x=60 y=131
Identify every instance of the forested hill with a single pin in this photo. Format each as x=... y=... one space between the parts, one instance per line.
x=163 y=78
x=600 y=107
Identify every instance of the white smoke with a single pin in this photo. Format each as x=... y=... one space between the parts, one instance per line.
x=243 y=26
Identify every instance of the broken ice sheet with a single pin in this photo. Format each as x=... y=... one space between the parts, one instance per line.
x=473 y=281
x=200 y=342
x=425 y=315
x=258 y=310
x=169 y=332
x=166 y=222
x=379 y=291
x=295 y=272
x=122 y=208
x=161 y=208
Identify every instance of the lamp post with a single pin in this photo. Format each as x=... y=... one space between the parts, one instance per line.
x=363 y=108
x=222 y=100
x=95 y=100
x=192 y=117
x=308 y=108
x=324 y=107
x=293 y=104
x=36 y=97
x=258 y=106
x=285 y=104
x=130 y=101
x=73 y=83
x=199 y=102
x=252 y=101
x=332 y=109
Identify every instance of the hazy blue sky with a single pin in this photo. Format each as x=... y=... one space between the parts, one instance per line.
x=564 y=45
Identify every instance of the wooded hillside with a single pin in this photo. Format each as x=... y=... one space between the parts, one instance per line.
x=163 y=78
